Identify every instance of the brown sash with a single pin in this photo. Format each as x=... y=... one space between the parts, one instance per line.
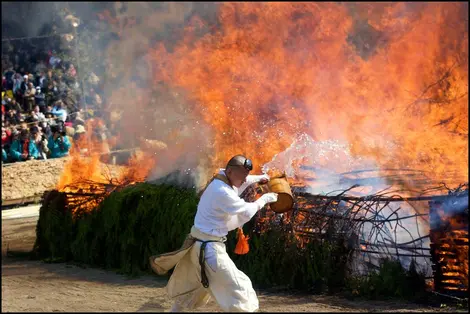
x=217 y=176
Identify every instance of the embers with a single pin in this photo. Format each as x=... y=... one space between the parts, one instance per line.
x=449 y=244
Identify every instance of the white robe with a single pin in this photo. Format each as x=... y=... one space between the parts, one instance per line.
x=220 y=210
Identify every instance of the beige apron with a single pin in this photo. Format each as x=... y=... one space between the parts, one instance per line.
x=230 y=287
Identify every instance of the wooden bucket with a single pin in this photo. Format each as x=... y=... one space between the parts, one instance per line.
x=285 y=200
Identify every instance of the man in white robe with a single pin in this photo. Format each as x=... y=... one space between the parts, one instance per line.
x=219 y=211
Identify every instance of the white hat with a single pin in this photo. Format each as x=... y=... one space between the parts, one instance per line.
x=80 y=129
x=25 y=76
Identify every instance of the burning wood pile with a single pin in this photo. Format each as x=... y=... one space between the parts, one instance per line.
x=87 y=181
x=384 y=225
x=449 y=242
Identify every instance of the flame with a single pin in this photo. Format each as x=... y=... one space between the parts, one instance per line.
x=390 y=79
x=453 y=249
x=87 y=174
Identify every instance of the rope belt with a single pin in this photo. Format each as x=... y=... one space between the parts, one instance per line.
x=202 y=257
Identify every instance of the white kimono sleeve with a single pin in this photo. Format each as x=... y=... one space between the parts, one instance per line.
x=249 y=180
x=239 y=210
x=237 y=221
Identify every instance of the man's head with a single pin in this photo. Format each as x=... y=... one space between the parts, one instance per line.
x=34 y=130
x=55 y=129
x=15 y=134
x=30 y=85
x=24 y=134
x=237 y=169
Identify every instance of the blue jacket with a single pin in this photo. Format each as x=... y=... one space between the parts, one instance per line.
x=16 y=149
x=55 y=147
x=4 y=156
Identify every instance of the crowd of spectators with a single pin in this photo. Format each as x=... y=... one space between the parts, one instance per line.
x=41 y=113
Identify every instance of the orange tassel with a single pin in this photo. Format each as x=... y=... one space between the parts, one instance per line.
x=242 y=245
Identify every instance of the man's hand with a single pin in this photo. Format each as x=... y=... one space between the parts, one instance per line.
x=269 y=197
x=266 y=199
x=24 y=156
x=264 y=179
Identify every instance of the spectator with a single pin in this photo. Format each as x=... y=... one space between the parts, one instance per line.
x=42 y=79
x=12 y=117
x=45 y=129
x=29 y=97
x=71 y=71
x=58 y=143
x=40 y=99
x=53 y=60
x=93 y=99
x=5 y=99
x=78 y=139
x=14 y=105
x=4 y=155
x=50 y=118
x=37 y=114
x=41 y=142
x=17 y=83
x=23 y=148
x=24 y=84
x=9 y=77
x=59 y=112
x=6 y=138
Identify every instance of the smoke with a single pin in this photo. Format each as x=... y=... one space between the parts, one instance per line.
x=136 y=109
x=339 y=72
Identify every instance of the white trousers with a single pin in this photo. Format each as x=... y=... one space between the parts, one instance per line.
x=230 y=287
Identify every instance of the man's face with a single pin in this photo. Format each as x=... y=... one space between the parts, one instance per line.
x=237 y=175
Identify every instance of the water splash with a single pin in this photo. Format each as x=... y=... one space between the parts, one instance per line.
x=322 y=166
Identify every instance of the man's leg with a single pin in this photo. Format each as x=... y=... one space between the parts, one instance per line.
x=231 y=288
x=184 y=286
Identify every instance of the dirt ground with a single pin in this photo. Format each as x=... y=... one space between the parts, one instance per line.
x=40 y=287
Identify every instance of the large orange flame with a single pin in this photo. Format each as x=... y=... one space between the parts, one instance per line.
x=390 y=79
x=83 y=170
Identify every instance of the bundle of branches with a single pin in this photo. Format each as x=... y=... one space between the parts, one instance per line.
x=379 y=221
x=85 y=195
x=126 y=228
